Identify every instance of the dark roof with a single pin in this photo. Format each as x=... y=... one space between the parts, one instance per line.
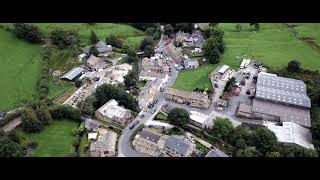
x=282 y=90
x=150 y=136
x=216 y=153
x=73 y=73
x=285 y=113
x=2 y=114
x=91 y=124
x=177 y=144
x=245 y=108
x=103 y=47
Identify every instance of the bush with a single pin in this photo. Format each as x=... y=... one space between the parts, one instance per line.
x=64 y=39
x=30 y=122
x=9 y=148
x=294 y=66
x=114 y=41
x=28 y=32
x=148 y=40
x=222 y=128
x=178 y=117
x=43 y=115
x=65 y=111
x=78 y=83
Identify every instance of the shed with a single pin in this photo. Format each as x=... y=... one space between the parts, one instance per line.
x=223 y=69
x=74 y=74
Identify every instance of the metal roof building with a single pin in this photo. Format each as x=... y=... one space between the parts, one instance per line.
x=283 y=98
x=73 y=74
x=291 y=134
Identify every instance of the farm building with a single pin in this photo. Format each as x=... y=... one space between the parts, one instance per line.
x=96 y=63
x=103 y=48
x=223 y=69
x=291 y=134
x=195 y=99
x=112 y=112
x=190 y=64
x=73 y=74
x=200 y=120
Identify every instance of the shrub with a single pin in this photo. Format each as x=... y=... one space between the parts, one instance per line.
x=30 y=122
x=65 y=111
x=28 y=32
x=114 y=41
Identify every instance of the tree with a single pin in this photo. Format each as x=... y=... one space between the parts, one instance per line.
x=294 y=66
x=168 y=29
x=230 y=83
x=93 y=50
x=185 y=27
x=178 y=117
x=239 y=27
x=78 y=83
x=30 y=122
x=9 y=148
x=87 y=106
x=114 y=41
x=297 y=152
x=43 y=115
x=222 y=128
x=213 y=24
x=273 y=154
x=211 y=51
x=93 y=38
x=265 y=140
x=249 y=151
x=241 y=137
x=64 y=39
x=257 y=27
x=131 y=79
x=150 y=31
x=28 y=32
x=148 y=40
x=148 y=51
x=131 y=56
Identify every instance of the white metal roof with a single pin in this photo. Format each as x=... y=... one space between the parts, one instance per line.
x=92 y=136
x=198 y=117
x=291 y=132
x=223 y=69
x=111 y=109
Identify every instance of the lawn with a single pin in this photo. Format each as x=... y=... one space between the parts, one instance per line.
x=274 y=45
x=19 y=70
x=197 y=78
x=128 y=34
x=203 y=148
x=58 y=87
x=55 y=140
x=311 y=30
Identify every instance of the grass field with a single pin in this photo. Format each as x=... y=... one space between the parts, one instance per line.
x=311 y=30
x=274 y=45
x=19 y=70
x=197 y=78
x=55 y=140
x=58 y=87
x=128 y=34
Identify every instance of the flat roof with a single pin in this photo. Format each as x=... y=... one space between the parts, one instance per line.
x=285 y=113
x=293 y=133
x=198 y=117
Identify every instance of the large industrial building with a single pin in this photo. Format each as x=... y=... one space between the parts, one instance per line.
x=280 y=99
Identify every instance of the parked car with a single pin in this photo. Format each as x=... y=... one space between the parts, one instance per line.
x=153 y=111
x=142 y=116
x=2 y=114
x=97 y=78
x=134 y=124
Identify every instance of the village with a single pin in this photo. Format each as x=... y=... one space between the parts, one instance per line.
x=246 y=95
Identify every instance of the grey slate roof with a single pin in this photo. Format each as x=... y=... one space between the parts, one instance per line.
x=216 y=153
x=73 y=74
x=149 y=136
x=177 y=144
x=91 y=124
x=282 y=90
x=103 y=47
x=188 y=62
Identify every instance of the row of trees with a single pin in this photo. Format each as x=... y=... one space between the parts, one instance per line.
x=43 y=83
x=214 y=46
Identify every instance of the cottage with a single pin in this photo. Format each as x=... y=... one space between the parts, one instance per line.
x=149 y=142
x=155 y=64
x=148 y=95
x=103 y=48
x=73 y=74
x=105 y=146
x=178 y=147
x=112 y=112
x=195 y=99
x=190 y=64
x=152 y=76
x=96 y=63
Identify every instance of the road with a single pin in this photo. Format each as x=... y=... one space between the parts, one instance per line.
x=124 y=144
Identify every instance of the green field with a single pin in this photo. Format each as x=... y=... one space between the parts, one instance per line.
x=55 y=140
x=311 y=30
x=19 y=70
x=128 y=34
x=197 y=78
x=274 y=45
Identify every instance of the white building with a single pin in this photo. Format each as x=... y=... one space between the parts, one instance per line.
x=291 y=133
x=223 y=69
x=244 y=63
x=112 y=112
x=200 y=120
